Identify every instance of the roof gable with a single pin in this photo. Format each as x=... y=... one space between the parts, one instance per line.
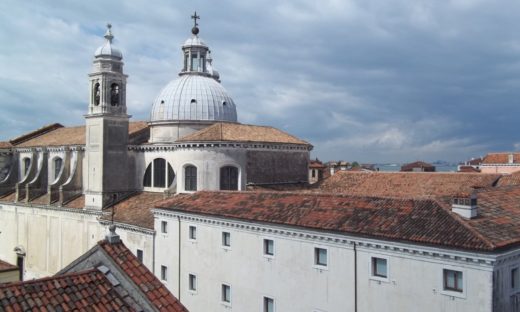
x=147 y=292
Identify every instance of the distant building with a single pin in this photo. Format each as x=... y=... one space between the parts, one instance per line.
x=501 y=163
x=418 y=166
x=335 y=166
x=316 y=171
x=472 y=165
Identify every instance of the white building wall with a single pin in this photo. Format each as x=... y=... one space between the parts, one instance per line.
x=207 y=160
x=53 y=238
x=507 y=292
x=414 y=283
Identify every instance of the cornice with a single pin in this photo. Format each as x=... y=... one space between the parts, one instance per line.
x=438 y=253
x=224 y=145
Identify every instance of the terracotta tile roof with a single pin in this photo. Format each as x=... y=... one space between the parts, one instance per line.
x=77 y=203
x=499 y=215
x=510 y=179
x=153 y=289
x=235 y=132
x=84 y=291
x=136 y=210
x=70 y=135
x=4 y=266
x=417 y=164
x=4 y=144
x=500 y=158
x=465 y=168
x=38 y=132
x=405 y=184
x=316 y=165
x=8 y=198
x=414 y=220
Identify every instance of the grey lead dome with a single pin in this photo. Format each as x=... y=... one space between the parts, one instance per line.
x=194 y=98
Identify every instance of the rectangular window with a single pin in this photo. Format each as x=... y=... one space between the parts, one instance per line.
x=164 y=227
x=514 y=278
x=226 y=293
x=226 y=239
x=268 y=247
x=452 y=280
x=268 y=304
x=320 y=256
x=193 y=232
x=379 y=267
x=164 y=273
x=140 y=255
x=192 y=281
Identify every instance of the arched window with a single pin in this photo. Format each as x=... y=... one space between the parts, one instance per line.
x=190 y=178
x=26 y=165
x=229 y=178
x=159 y=173
x=58 y=163
x=114 y=94
x=97 y=94
x=147 y=181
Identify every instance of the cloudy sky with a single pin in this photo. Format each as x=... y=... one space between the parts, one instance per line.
x=366 y=80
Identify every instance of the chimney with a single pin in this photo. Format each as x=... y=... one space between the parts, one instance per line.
x=466 y=207
x=112 y=237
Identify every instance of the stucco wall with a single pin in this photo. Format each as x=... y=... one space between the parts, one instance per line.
x=52 y=238
x=414 y=283
x=207 y=160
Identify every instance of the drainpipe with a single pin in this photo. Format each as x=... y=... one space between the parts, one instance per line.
x=153 y=251
x=355 y=278
x=179 y=255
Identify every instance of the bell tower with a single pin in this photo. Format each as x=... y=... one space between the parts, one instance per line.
x=106 y=121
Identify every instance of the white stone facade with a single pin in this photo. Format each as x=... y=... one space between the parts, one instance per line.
x=414 y=279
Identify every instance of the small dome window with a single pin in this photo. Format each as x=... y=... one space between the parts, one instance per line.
x=193 y=101
x=224 y=103
x=162 y=102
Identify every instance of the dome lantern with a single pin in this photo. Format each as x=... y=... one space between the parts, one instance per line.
x=196 y=99
x=196 y=54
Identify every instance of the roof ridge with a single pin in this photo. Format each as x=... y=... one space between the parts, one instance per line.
x=322 y=194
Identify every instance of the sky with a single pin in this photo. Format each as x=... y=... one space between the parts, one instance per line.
x=361 y=80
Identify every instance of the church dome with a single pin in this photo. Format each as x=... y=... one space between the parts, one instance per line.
x=107 y=49
x=194 y=98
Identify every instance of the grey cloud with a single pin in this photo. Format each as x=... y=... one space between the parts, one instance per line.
x=368 y=80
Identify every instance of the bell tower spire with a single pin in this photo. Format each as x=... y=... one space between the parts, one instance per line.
x=106 y=150
x=107 y=80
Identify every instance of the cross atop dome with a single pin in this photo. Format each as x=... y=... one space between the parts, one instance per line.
x=108 y=34
x=195 y=29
